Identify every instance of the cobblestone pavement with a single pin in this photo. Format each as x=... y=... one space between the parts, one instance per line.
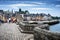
x=9 y=31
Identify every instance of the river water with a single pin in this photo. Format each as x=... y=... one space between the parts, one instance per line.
x=55 y=28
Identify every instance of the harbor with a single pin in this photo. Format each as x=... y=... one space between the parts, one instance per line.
x=22 y=25
x=55 y=28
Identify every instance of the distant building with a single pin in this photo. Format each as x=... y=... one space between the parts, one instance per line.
x=32 y=17
x=8 y=13
x=37 y=17
x=19 y=17
x=47 y=18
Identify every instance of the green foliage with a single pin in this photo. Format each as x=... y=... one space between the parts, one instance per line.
x=56 y=17
x=20 y=10
x=23 y=12
x=26 y=12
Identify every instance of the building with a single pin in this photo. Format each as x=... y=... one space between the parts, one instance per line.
x=47 y=18
x=36 y=17
x=19 y=17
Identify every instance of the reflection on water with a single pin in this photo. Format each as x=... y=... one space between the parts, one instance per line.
x=55 y=28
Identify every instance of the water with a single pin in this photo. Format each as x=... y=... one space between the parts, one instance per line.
x=55 y=28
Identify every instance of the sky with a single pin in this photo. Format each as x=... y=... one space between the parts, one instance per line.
x=33 y=6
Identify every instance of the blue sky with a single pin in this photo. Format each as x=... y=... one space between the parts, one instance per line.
x=33 y=6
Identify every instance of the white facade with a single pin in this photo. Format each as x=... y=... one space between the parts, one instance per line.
x=46 y=18
x=28 y=18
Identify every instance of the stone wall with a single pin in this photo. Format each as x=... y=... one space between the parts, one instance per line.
x=43 y=34
x=26 y=27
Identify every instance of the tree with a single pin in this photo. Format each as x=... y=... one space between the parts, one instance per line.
x=49 y=14
x=23 y=12
x=20 y=10
x=26 y=12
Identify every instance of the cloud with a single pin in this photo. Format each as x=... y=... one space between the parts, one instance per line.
x=41 y=9
x=19 y=4
x=39 y=3
x=13 y=5
x=16 y=6
x=7 y=7
x=57 y=6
